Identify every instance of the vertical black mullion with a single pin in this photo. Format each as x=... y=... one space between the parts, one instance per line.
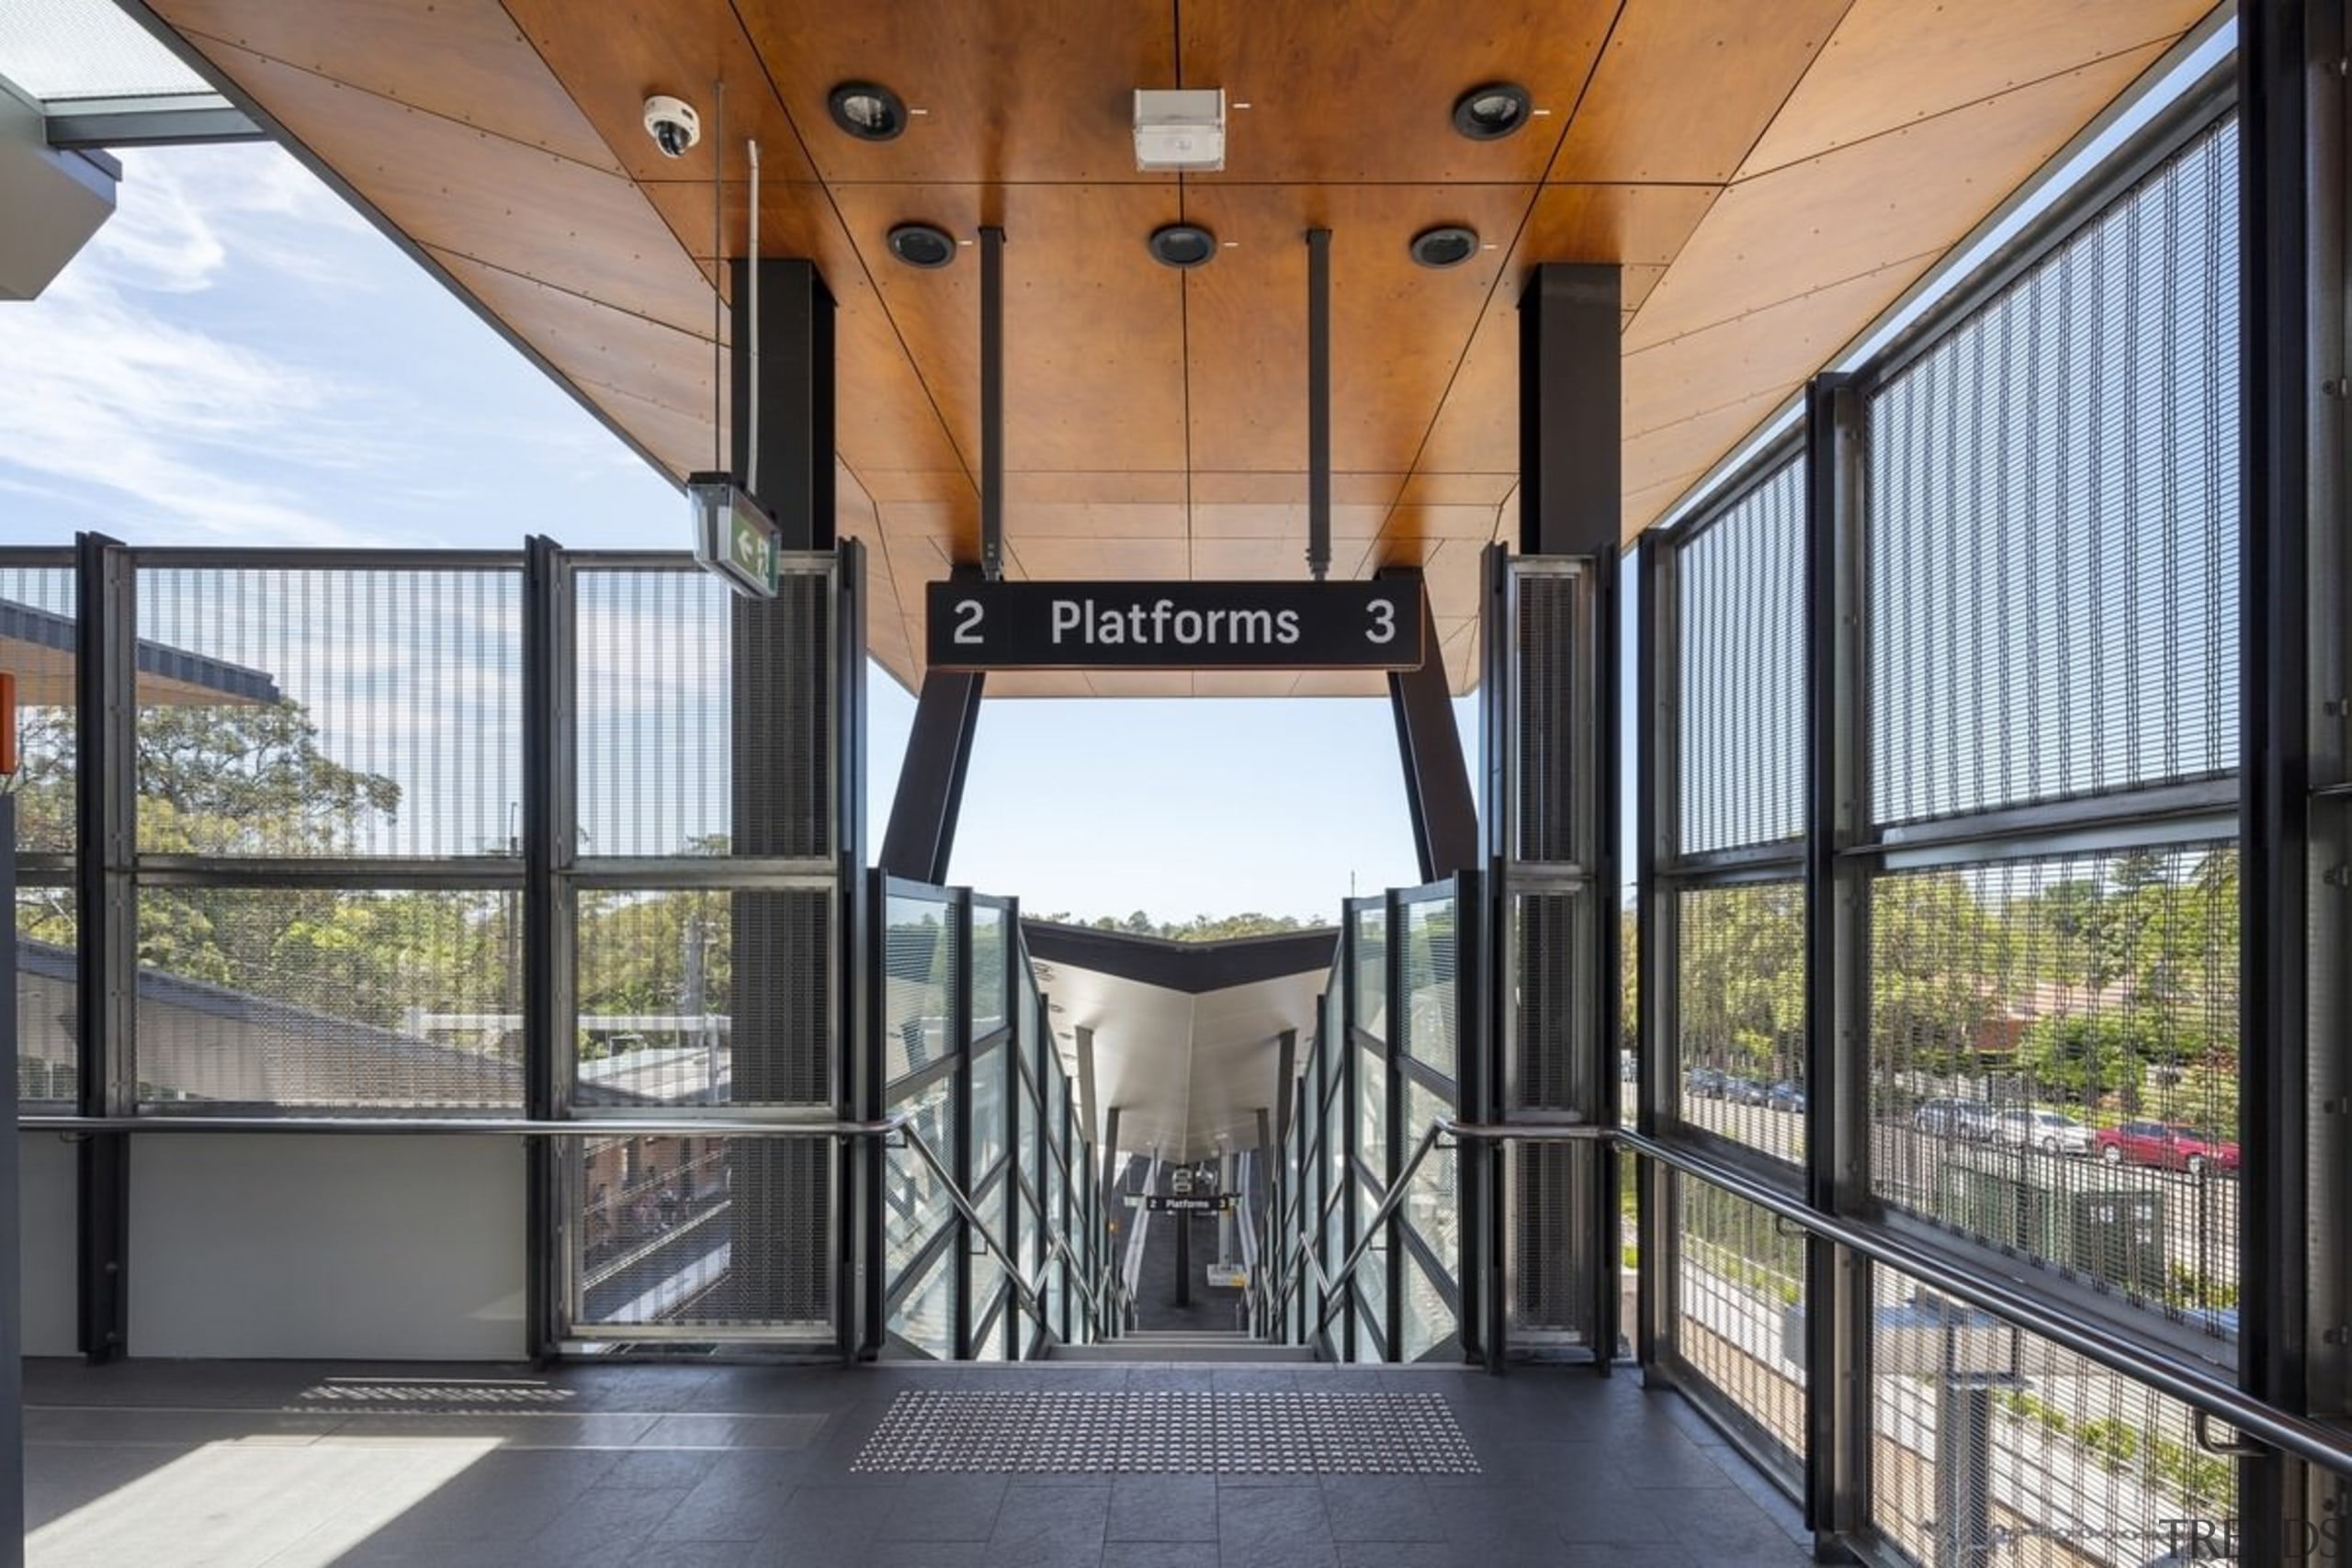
x=1393 y=1082
x=959 y=932
x=12 y=1343
x=1470 y=1001
x=1350 y=1125
x=1837 y=1415
x=873 y=1286
x=1656 y=769
x=855 y=1072
x=2293 y=164
x=106 y=763
x=1483 y=1092
x=1009 y=944
x=1606 y=1020
x=544 y=1230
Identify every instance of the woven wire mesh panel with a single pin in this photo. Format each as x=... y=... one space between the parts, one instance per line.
x=1740 y=712
x=1551 y=713
x=1148 y=1430
x=655 y=666
x=1549 y=1194
x=37 y=619
x=1740 y=1010
x=1989 y=1444
x=330 y=997
x=1370 y=946
x=784 y=712
x=48 y=975
x=662 y=1227
x=355 y=711
x=1550 y=1032
x=784 y=1042
x=655 y=977
x=2053 y=1065
x=1737 y=1276
x=915 y=1200
x=1432 y=1008
x=918 y=983
x=2054 y=578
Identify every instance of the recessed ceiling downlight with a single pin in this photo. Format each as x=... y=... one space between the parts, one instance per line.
x=1182 y=244
x=1447 y=245
x=1491 y=112
x=921 y=245
x=867 y=110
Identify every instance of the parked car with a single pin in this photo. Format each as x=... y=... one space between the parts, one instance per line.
x=1785 y=1096
x=1703 y=1083
x=2051 y=1132
x=1969 y=1119
x=1743 y=1090
x=2167 y=1146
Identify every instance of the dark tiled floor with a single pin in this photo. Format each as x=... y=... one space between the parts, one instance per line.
x=246 y=1465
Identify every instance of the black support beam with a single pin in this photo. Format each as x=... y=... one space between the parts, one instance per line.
x=921 y=834
x=783 y=433
x=546 y=753
x=106 y=738
x=1570 y=342
x=1436 y=781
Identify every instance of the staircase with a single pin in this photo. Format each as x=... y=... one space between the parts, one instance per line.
x=1182 y=1345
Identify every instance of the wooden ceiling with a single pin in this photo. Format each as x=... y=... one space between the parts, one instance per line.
x=1770 y=178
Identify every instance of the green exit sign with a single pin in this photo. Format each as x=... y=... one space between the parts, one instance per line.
x=734 y=537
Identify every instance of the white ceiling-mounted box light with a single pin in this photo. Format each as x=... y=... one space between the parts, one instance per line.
x=1179 y=128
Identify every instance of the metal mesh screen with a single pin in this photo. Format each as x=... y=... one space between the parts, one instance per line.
x=654 y=668
x=1739 y=1282
x=1432 y=1008
x=918 y=982
x=37 y=619
x=661 y=1235
x=320 y=997
x=655 y=978
x=783 y=1044
x=1990 y=1444
x=1551 y=1283
x=346 y=712
x=1740 y=713
x=47 y=971
x=786 y=723
x=2054 y=574
x=2054 y=1065
x=1740 y=982
x=1551 y=712
x=1549 y=1030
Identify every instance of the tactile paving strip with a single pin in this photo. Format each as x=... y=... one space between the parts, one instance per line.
x=1143 y=1430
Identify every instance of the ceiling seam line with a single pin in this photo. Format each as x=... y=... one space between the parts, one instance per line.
x=1720 y=322
x=1495 y=287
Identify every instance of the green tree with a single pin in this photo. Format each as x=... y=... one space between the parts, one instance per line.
x=2083 y=1055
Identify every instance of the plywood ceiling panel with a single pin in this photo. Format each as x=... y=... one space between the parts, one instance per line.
x=1728 y=65
x=686 y=49
x=1356 y=94
x=1011 y=91
x=1848 y=212
x=464 y=60
x=593 y=344
x=1896 y=63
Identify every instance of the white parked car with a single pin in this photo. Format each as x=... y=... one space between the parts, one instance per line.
x=2051 y=1132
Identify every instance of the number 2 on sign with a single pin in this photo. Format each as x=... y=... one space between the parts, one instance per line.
x=968 y=622
x=1384 y=621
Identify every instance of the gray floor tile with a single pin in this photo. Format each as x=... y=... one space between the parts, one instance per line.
x=1160 y=1554
x=1380 y=1507
x=1163 y=1508
x=945 y=1507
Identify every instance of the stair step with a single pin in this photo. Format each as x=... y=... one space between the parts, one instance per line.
x=1138 y=1348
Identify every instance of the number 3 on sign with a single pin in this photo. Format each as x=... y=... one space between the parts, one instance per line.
x=1384 y=621
x=968 y=622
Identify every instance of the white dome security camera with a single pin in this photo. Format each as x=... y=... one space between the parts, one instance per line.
x=673 y=123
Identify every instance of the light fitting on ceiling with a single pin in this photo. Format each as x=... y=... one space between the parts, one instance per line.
x=1491 y=112
x=1179 y=127
x=1447 y=245
x=1182 y=245
x=925 y=246
x=867 y=110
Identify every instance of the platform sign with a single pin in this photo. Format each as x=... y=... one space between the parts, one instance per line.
x=1175 y=626
x=1198 y=1204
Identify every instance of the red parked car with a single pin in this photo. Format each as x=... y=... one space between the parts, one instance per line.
x=2163 y=1143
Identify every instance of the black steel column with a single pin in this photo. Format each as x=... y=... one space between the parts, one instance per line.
x=857 y=1074
x=924 y=813
x=1436 y=781
x=1836 y=1117
x=1657 y=765
x=12 y=1337
x=1318 y=406
x=2295 y=688
x=788 y=465
x=106 y=778
x=991 y=403
x=1484 y=1053
x=959 y=1161
x=546 y=735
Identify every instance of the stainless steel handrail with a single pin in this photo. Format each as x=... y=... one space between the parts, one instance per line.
x=501 y=1126
x=2193 y=1385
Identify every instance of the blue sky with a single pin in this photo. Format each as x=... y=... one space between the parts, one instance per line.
x=237 y=358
